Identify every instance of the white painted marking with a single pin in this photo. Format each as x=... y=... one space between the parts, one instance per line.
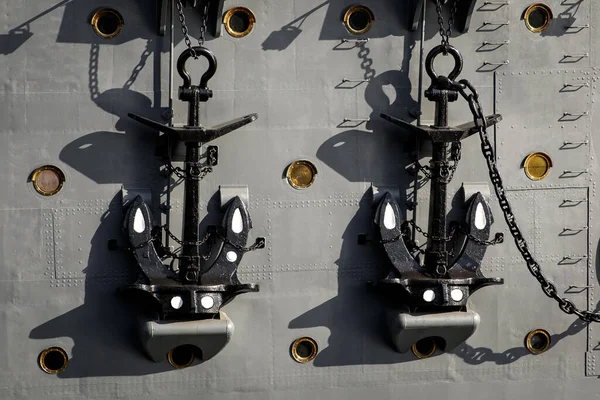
x=237 y=224
x=139 y=225
x=428 y=295
x=207 y=302
x=176 y=302
x=480 y=220
x=457 y=294
x=231 y=256
x=389 y=219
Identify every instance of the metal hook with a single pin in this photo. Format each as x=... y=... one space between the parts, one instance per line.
x=198 y=51
x=440 y=49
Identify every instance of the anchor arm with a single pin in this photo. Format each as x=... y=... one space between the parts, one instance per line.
x=197 y=134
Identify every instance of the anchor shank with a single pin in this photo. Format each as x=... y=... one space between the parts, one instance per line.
x=436 y=253
x=190 y=263
x=436 y=256
x=189 y=267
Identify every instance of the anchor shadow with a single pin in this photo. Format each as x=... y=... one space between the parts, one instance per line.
x=103 y=327
x=355 y=315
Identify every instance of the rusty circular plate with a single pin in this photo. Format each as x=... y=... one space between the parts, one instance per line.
x=304 y=349
x=48 y=180
x=537 y=166
x=53 y=360
x=301 y=174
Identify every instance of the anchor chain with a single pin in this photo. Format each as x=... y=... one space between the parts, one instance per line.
x=211 y=159
x=185 y=30
x=534 y=267
x=446 y=33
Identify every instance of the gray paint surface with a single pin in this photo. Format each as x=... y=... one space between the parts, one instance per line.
x=64 y=96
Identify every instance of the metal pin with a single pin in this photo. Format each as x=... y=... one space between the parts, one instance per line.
x=576 y=259
x=505 y=62
x=496 y=23
x=345 y=80
x=579 y=287
x=584 y=55
x=567 y=143
x=496 y=3
x=568 y=171
x=579 y=85
x=583 y=228
x=359 y=120
x=486 y=43
x=577 y=26
x=570 y=114
x=355 y=40
x=577 y=201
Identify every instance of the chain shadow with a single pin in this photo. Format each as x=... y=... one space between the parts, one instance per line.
x=480 y=355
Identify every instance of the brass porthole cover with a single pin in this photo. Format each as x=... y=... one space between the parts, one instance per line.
x=107 y=23
x=48 y=180
x=537 y=17
x=53 y=360
x=304 y=349
x=537 y=166
x=174 y=354
x=239 y=21
x=358 y=19
x=301 y=174
x=424 y=353
x=538 y=341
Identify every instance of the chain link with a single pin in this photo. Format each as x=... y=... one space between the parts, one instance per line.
x=445 y=33
x=185 y=30
x=534 y=267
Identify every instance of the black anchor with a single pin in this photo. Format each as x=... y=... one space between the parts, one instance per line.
x=441 y=283
x=194 y=291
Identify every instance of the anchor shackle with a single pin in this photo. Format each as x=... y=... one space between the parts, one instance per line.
x=194 y=52
x=458 y=64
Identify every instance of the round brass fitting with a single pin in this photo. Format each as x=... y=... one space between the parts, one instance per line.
x=301 y=174
x=424 y=348
x=304 y=349
x=181 y=356
x=358 y=19
x=537 y=17
x=239 y=21
x=53 y=360
x=107 y=23
x=538 y=341
x=48 y=180
x=537 y=165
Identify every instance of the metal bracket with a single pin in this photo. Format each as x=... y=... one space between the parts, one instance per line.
x=129 y=194
x=379 y=192
x=229 y=192
x=472 y=188
x=453 y=327
x=464 y=13
x=208 y=335
x=214 y=14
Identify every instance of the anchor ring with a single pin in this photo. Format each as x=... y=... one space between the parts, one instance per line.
x=194 y=52
x=436 y=51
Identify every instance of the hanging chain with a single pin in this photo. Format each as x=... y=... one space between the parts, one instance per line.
x=185 y=30
x=446 y=33
x=534 y=267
